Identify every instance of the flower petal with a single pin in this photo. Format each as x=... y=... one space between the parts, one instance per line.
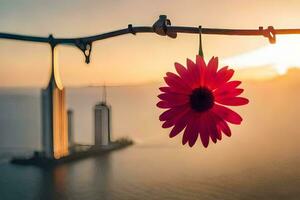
x=177 y=129
x=181 y=70
x=172 y=120
x=212 y=65
x=233 y=101
x=224 y=127
x=172 y=90
x=227 y=114
x=228 y=86
x=193 y=71
x=202 y=69
x=204 y=135
x=180 y=124
x=211 y=71
x=211 y=127
x=168 y=114
x=219 y=132
x=221 y=94
x=200 y=62
x=174 y=99
x=176 y=82
x=222 y=76
x=184 y=74
x=215 y=119
x=221 y=124
x=164 y=104
x=190 y=134
x=165 y=89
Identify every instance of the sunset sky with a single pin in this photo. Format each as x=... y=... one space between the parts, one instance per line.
x=145 y=57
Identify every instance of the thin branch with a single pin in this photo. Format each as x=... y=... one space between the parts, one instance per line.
x=149 y=29
x=162 y=27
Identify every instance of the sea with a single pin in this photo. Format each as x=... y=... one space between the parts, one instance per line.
x=260 y=160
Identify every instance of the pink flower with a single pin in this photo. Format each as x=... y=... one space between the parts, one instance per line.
x=195 y=100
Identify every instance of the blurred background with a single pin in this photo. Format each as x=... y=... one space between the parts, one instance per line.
x=259 y=161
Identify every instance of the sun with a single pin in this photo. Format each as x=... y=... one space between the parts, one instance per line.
x=282 y=55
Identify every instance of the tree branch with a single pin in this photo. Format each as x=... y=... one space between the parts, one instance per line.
x=162 y=27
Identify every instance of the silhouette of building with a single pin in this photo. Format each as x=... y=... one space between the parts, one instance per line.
x=54 y=117
x=70 y=128
x=102 y=121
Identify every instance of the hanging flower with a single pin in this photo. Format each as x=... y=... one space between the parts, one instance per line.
x=195 y=100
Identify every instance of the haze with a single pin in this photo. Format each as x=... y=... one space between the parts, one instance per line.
x=131 y=59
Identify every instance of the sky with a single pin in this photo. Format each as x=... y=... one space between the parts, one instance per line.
x=145 y=57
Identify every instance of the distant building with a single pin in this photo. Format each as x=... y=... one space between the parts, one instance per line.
x=54 y=120
x=102 y=122
x=70 y=128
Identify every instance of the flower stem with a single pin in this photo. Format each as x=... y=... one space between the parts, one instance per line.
x=200 y=42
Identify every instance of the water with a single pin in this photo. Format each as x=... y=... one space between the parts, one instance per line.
x=156 y=172
x=260 y=161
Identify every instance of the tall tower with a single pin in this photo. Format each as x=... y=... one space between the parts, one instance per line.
x=102 y=121
x=54 y=116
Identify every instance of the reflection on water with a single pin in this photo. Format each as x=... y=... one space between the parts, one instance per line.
x=141 y=172
x=87 y=179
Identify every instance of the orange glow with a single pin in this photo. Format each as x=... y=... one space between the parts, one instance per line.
x=132 y=59
x=60 y=126
x=277 y=57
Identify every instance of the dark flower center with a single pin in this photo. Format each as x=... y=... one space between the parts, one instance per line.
x=201 y=99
